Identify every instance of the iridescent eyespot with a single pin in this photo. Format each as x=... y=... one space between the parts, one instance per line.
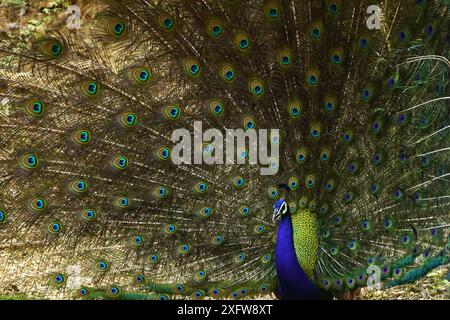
x=79 y=186
x=120 y=163
x=325 y=155
x=429 y=30
x=353 y=168
x=364 y=42
x=166 y=22
x=266 y=258
x=50 y=47
x=403 y=35
x=242 y=41
x=172 y=112
x=38 y=204
x=256 y=88
x=349 y=196
x=417 y=197
x=198 y=294
x=215 y=28
x=201 y=187
x=350 y=283
x=377 y=158
x=82 y=137
x=3 y=216
x=316 y=30
x=88 y=215
x=312 y=206
x=216 y=107
x=115 y=27
x=310 y=181
x=284 y=58
x=58 y=279
x=238 y=182
x=239 y=257
x=227 y=73
x=29 y=161
x=128 y=119
x=54 y=228
x=330 y=103
x=376 y=126
x=142 y=75
x=293 y=183
x=259 y=229
x=401 y=119
x=303 y=202
x=388 y=224
x=295 y=109
x=154 y=258
x=334 y=7
x=137 y=240
x=206 y=212
x=397 y=194
x=391 y=82
x=192 y=68
x=218 y=239
x=249 y=122
x=122 y=202
x=272 y=10
x=403 y=157
x=398 y=273
x=170 y=229
x=292 y=207
x=337 y=56
x=315 y=130
x=406 y=239
x=244 y=211
x=163 y=153
x=113 y=291
x=365 y=225
x=347 y=137
x=273 y=192
x=138 y=279
x=83 y=292
x=90 y=88
x=324 y=209
x=184 y=248
x=160 y=192
x=330 y=185
x=325 y=284
x=102 y=265
x=35 y=108
x=200 y=275
x=375 y=188
x=312 y=77
x=302 y=155
x=367 y=93
x=334 y=251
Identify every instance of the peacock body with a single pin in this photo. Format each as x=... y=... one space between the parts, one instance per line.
x=93 y=205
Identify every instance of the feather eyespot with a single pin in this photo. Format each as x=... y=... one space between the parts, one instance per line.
x=29 y=161
x=88 y=215
x=172 y=112
x=35 y=107
x=3 y=216
x=228 y=73
x=90 y=88
x=166 y=22
x=192 y=68
x=272 y=10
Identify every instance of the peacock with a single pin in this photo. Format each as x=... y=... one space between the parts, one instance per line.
x=353 y=94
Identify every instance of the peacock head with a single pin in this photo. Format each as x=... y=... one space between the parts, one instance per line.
x=280 y=208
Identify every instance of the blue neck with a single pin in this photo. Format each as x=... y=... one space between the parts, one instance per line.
x=294 y=284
